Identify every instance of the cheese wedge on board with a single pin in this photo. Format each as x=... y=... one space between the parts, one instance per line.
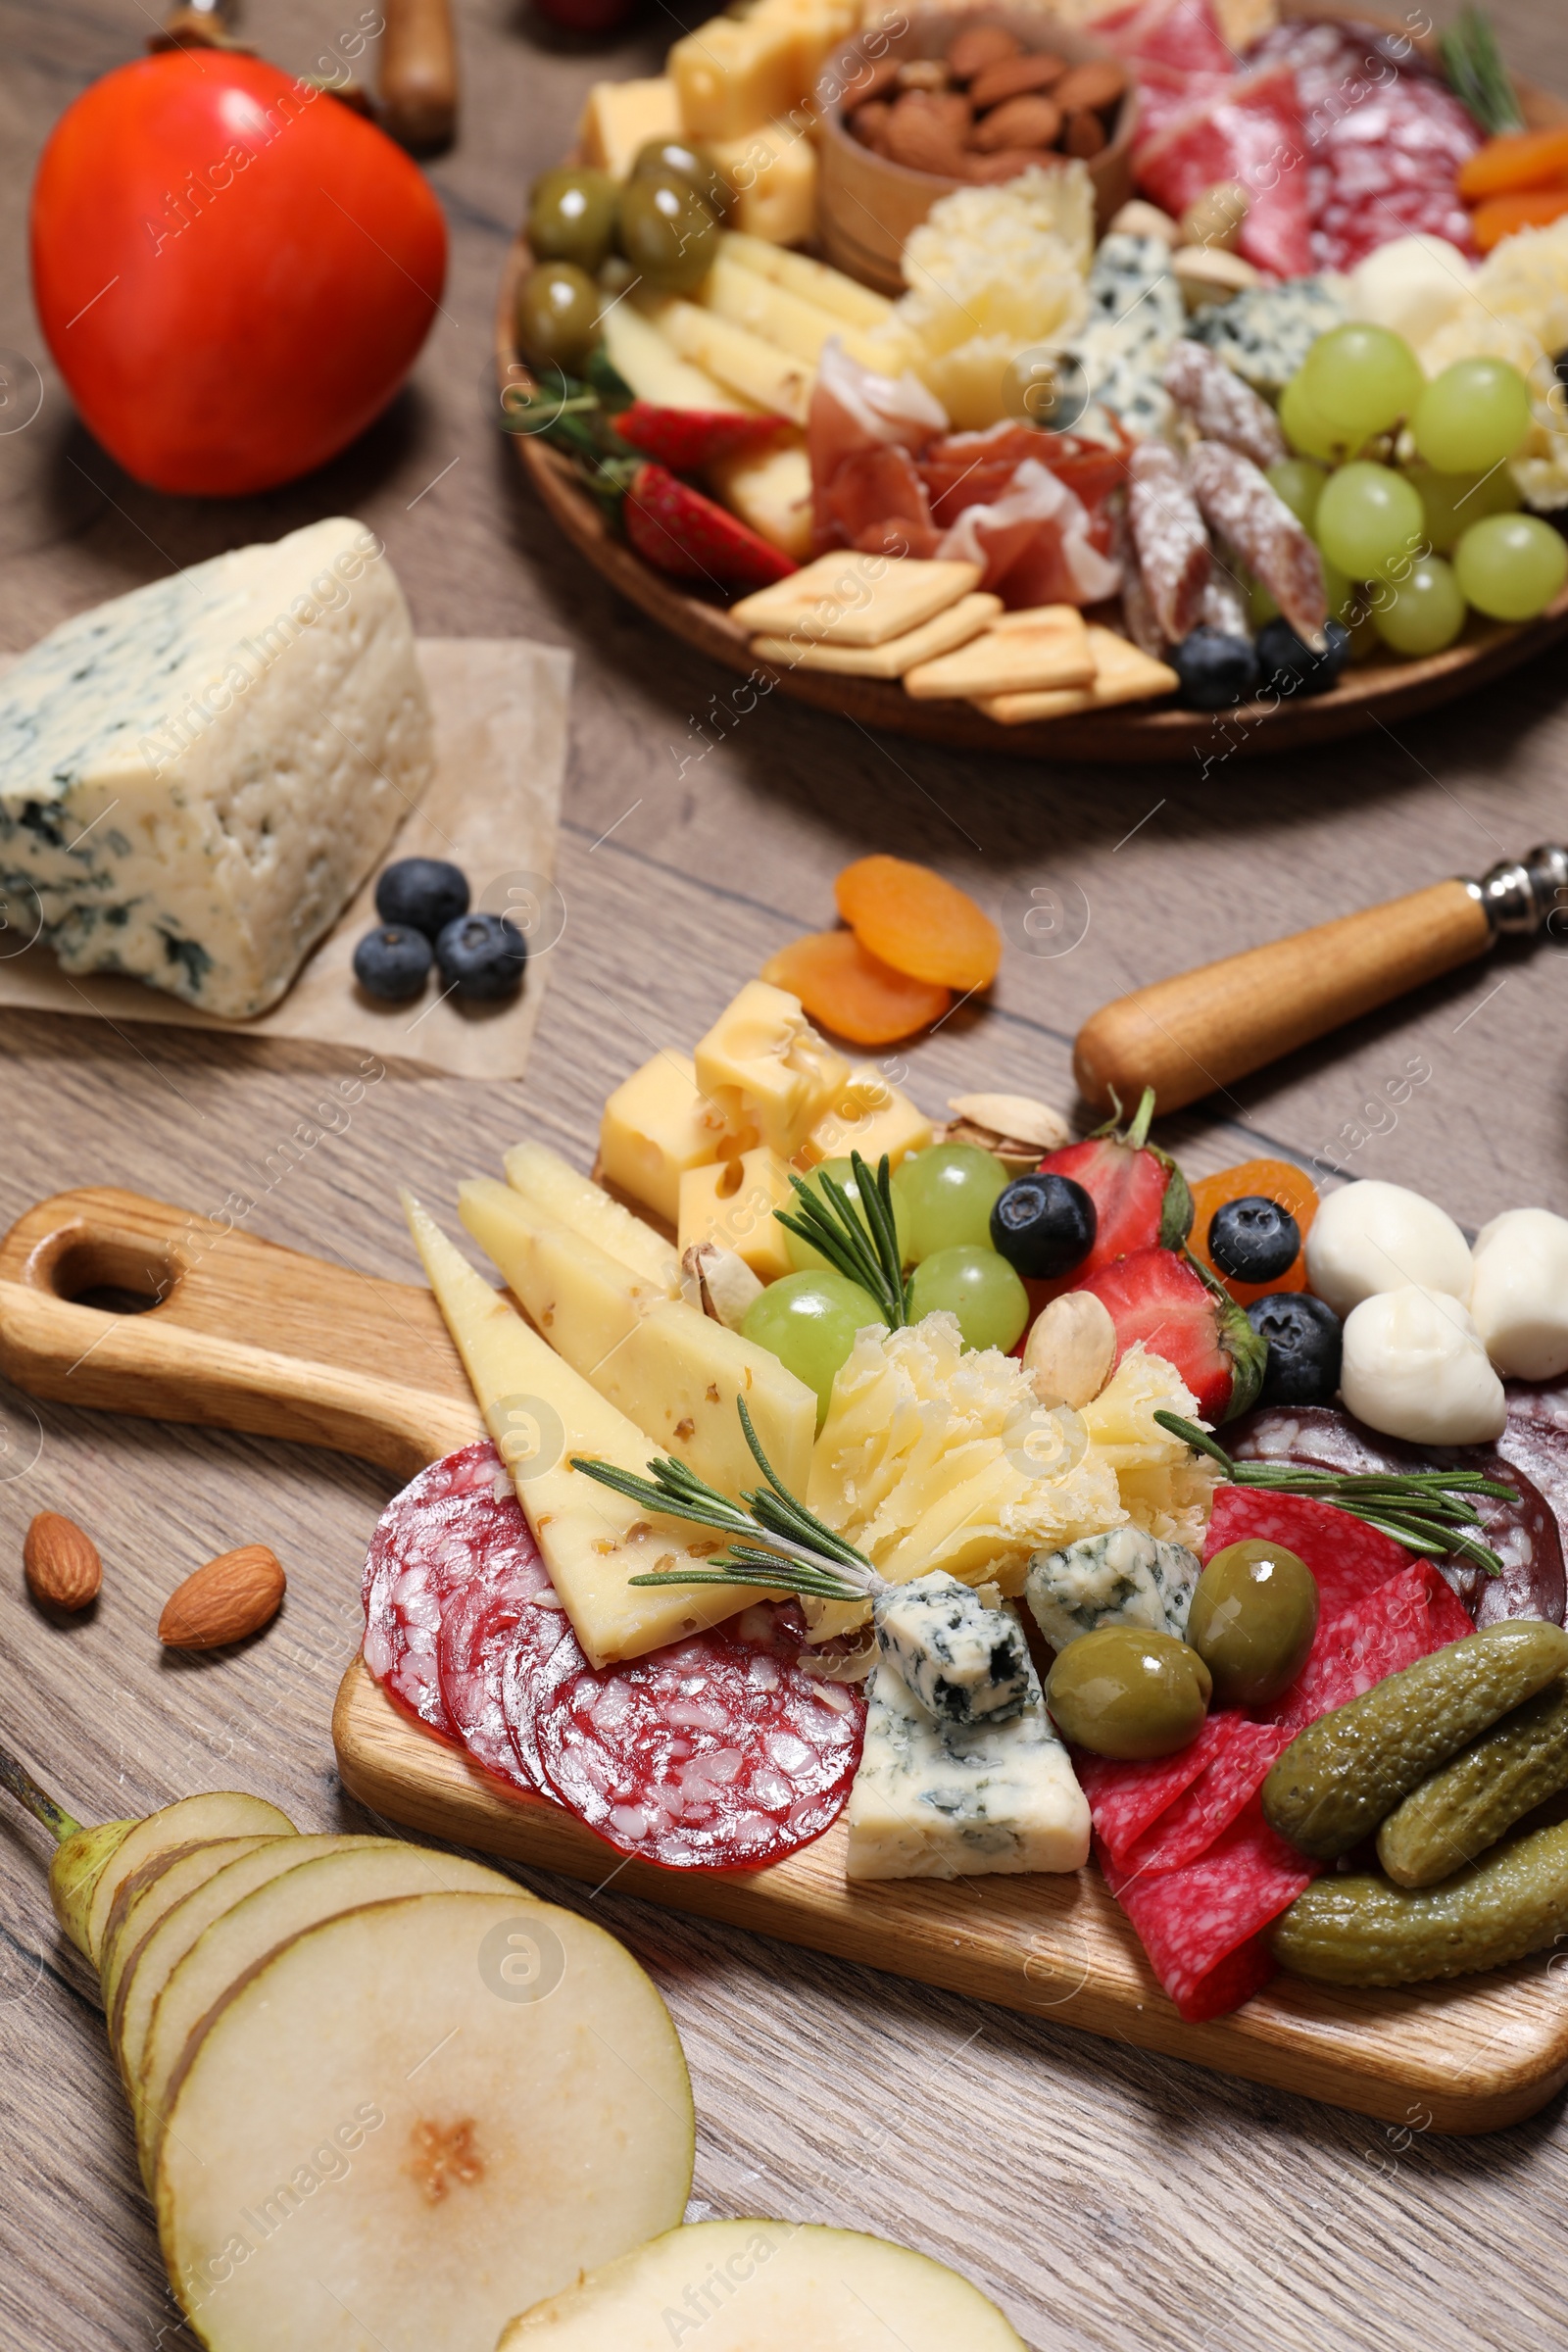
x=540 y=1412
x=642 y=358
x=770 y=490
x=813 y=281
x=775 y=379
x=565 y=1195
x=792 y=322
x=669 y=1369
x=943 y=635
x=765 y=1071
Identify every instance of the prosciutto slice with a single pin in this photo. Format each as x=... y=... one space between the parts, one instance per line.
x=1034 y=544
x=855 y=419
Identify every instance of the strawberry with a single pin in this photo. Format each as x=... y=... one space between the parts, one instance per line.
x=678 y=530
x=1139 y=1192
x=1166 y=1299
x=687 y=439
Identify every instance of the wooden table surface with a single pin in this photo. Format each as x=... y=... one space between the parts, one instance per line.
x=1105 y=2198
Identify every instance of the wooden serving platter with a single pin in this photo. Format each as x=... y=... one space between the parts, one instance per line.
x=236 y=1333
x=1371 y=694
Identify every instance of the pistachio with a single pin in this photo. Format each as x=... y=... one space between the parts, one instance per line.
x=1015 y=1127
x=1069 y=1352
x=719 y=1282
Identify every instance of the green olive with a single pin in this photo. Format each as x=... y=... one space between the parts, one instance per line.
x=695 y=165
x=572 y=216
x=667 y=230
x=557 y=316
x=1252 y=1619
x=1122 y=1692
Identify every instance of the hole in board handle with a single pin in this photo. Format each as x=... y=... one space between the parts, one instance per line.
x=115 y=1273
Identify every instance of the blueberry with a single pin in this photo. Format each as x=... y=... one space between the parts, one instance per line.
x=393 y=963
x=481 y=957
x=1216 y=670
x=424 y=892
x=1043 y=1225
x=1291 y=666
x=1303 y=1347
x=1253 y=1240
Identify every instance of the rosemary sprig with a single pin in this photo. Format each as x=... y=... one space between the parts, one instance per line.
x=1425 y=1510
x=860 y=1242
x=1477 y=74
x=810 y=1558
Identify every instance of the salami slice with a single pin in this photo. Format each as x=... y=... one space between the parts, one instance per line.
x=1221 y=1792
x=540 y=1625
x=1245 y=509
x=1125 y=1800
x=431 y=1538
x=718 y=1753
x=1348 y=1558
x=1220 y=405
x=1168 y=536
x=478 y=1632
x=1194 y=1921
x=1407 y=1618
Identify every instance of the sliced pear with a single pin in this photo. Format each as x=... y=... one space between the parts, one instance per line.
x=146 y=1970
x=415 y=2119
x=147 y=1895
x=766 y=2286
x=193 y=1821
x=76 y=1867
x=233 y=1944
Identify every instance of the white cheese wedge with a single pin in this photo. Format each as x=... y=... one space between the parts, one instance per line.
x=940 y=1800
x=196 y=778
x=669 y=1369
x=540 y=1413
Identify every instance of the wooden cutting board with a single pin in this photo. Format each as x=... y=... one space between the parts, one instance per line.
x=125 y=1305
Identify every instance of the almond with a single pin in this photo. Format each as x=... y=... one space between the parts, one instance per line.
x=1085 y=134
x=233 y=1596
x=1027 y=121
x=61 y=1564
x=918 y=138
x=1011 y=76
x=979 y=46
x=1091 y=89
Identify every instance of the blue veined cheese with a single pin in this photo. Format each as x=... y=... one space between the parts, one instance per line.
x=944 y=1800
x=1126 y=1578
x=1266 y=331
x=1136 y=313
x=195 y=778
x=964 y=1662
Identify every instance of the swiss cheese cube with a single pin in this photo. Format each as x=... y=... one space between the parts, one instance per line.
x=868 y=1114
x=765 y=1071
x=773 y=173
x=734 y=74
x=656 y=1124
x=622 y=116
x=732 y=1204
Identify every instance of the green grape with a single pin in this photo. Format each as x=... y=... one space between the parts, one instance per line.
x=1422 y=613
x=1307 y=431
x=1510 y=566
x=946 y=1195
x=808 y=1321
x=1363 y=379
x=1455 y=500
x=977 y=1286
x=1341 y=591
x=1472 y=415
x=1301 y=484
x=802 y=1253
x=1368 y=518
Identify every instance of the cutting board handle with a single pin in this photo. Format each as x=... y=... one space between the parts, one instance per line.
x=130 y=1305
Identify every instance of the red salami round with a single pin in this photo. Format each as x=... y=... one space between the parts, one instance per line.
x=540 y=1626
x=429 y=1540
x=716 y=1753
x=479 y=1632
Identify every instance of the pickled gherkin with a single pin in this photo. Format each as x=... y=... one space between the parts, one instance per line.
x=1468 y=1804
x=1343 y=1775
x=1354 y=1930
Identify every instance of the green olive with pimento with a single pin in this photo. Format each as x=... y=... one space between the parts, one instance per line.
x=1126 y=1693
x=1252 y=1618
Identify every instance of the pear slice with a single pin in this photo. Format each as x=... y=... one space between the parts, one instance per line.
x=76 y=1863
x=149 y=1893
x=417 y=2119
x=146 y=1969
x=766 y=2286
x=193 y=1821
x=233 y=1944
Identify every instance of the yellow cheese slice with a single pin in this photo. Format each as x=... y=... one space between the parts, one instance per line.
x=1008 y=661
x=791 y=321
x=540 y=1412
x=732 y=1205
x=846 y=598
x=813 y=281
x=943 y=635
x=1123 y=673
x=669 y=1369
x=568 y=1197
x=736 y=356
x=770 y=489
x=643 y=358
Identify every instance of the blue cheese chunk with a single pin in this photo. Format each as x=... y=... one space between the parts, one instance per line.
x=1124 y=1578
x=1267 y=332
x=943 y=1800
x=964 y=1662
x=196 y=778
x=1136 y=313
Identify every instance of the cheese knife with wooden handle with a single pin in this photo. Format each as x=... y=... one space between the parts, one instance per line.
x=1205 y=1029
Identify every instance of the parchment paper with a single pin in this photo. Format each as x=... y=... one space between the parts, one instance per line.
x=492 y=806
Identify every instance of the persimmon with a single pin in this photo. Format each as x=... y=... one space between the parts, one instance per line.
x=846 y=988
x=920 y=924
x=1272 y=1179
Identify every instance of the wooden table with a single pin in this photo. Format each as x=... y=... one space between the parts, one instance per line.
x=1106 y=2198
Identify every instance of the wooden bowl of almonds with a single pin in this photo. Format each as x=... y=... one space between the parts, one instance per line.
x=945 y=99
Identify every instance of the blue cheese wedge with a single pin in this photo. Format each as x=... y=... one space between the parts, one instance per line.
x=944 y=1800
x=1124 y=1578
x=964 y=1662
x=196 y=778
x=1267 y=332
x=1136 y=312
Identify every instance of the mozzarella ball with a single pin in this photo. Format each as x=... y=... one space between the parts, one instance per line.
x=1372 y=1237
x=1414 y=1367
x=1519 y=1296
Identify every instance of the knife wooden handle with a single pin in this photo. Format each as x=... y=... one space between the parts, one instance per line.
x=1205 y=1029
x=418 y=86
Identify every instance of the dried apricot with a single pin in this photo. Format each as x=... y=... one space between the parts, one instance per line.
x=845 y=988
x=912 y=919
x=1273 y=1179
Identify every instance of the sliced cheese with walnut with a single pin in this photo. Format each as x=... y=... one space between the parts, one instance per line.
x=540 y=1413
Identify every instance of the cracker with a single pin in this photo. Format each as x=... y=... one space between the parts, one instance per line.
x=1048 y=655
x=950 y=629
x=846 y=598
x=1123 y=673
